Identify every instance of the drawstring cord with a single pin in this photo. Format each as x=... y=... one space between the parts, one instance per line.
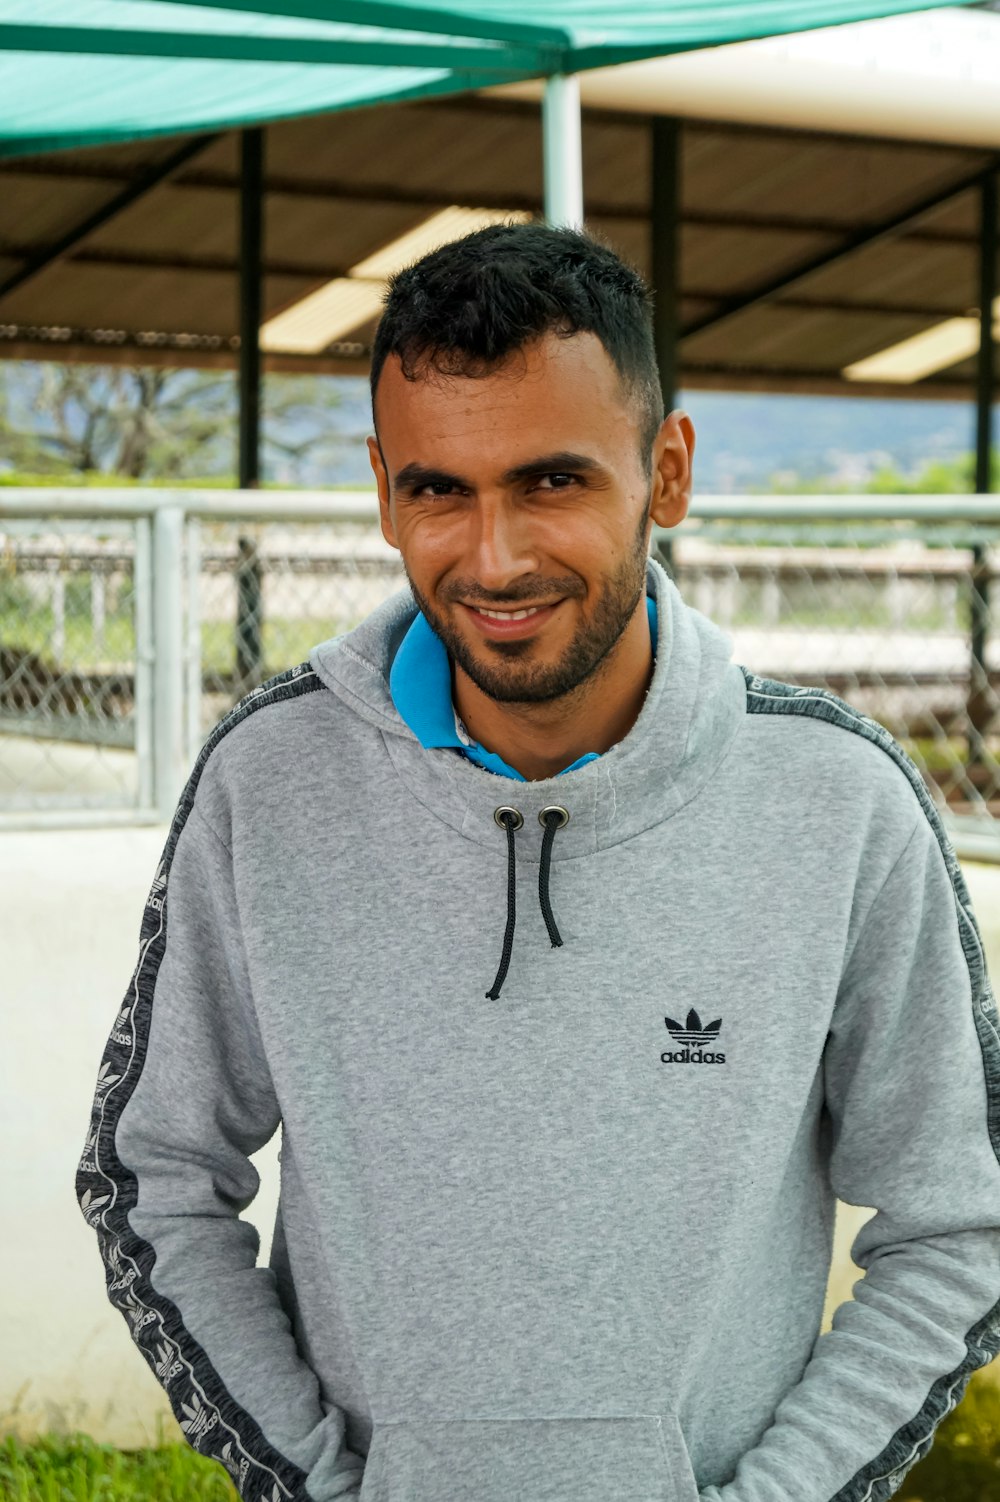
x=551 y=818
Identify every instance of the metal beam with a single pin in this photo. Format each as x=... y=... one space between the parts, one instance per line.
x=136 y=189
x=664 y=224
x=251 y=238
x=985 y=367
x=854 y=242
x=324 y=271
x=373 y=192
x=349 y=357
x=315 y=273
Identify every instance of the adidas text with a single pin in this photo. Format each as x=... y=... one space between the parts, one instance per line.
x=687 y=1057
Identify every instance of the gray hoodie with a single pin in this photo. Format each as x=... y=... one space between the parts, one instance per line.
x=568 y=1242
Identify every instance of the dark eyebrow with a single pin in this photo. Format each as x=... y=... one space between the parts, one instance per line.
x=414 y=476
x=550 y=464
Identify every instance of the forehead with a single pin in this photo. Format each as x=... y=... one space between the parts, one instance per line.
x=553 y=393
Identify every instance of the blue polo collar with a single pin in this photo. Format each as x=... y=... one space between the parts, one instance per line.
x=420 y=685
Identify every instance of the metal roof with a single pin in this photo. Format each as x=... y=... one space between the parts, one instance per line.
x=157 y=282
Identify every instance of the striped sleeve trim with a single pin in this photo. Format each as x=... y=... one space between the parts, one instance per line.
x=884 y=1474
x=212 y=1421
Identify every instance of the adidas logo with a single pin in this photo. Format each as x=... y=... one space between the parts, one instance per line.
x=120 y=1032
x=155 y=899
x=693 y=1038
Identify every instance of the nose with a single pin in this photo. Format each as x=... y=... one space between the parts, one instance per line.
x=501 y=547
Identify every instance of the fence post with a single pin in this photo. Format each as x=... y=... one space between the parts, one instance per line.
x=249 y=654
x=978 y=710
x=195 y=738
x=145 y=655
x=169 y=763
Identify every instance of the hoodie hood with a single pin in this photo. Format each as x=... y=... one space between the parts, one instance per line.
x=693 y=707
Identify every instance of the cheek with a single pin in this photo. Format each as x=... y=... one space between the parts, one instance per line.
x=429 y=546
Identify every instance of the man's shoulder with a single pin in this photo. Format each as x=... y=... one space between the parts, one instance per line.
x=837 y=740
x=291 y=687
x=274 y=726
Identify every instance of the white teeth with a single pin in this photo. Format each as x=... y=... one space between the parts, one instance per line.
x=510 y=615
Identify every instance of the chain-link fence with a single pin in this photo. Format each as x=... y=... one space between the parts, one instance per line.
x=130 y=623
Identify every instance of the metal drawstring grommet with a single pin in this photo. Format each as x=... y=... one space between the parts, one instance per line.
x=498 y=817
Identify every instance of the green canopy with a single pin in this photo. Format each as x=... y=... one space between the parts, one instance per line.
x=89 y=72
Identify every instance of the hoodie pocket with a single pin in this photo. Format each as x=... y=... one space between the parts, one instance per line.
x=633 y=1458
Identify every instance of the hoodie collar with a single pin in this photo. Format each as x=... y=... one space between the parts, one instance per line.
x=421 y=687
x=694 y=706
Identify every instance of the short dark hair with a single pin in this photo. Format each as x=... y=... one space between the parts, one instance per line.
x=466 y=306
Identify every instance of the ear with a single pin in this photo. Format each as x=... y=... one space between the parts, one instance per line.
x=673 y=454
x=382 y=481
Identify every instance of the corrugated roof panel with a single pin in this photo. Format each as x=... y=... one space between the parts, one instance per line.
x=755 y=201
x=889 y=271
x=735 y=260
x=194 y=221
x=31 y=212
x=92 y=296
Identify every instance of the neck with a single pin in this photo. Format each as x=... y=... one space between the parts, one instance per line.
x=539 y=740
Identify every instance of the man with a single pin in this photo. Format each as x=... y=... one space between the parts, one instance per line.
x=564 y=1237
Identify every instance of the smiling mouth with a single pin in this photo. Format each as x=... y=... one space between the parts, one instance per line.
x=521 y=612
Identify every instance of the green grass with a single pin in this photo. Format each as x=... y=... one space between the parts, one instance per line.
x=964 y=1462
x=73 y=1468
x=962 y=1466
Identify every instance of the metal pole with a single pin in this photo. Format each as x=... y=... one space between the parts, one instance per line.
x=664 y=226
x=249 y=651
x=562 y=150
x=665 y=217
x=987 y=296
x=248 y=640
x=977 y=710
x=251 y=228
x=979 y=703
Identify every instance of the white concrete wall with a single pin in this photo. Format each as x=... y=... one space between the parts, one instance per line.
x=70 y=909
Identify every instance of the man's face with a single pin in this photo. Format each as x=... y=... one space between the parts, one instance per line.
x=518 y=488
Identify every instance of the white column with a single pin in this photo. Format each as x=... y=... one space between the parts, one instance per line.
x=562 y=153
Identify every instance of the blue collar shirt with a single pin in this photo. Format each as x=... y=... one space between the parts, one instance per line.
x=420 y=685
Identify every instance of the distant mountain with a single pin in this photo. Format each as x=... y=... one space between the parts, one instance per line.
x=749 y=439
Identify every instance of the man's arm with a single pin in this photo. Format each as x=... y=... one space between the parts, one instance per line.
x=912 y=1079
x=183 y=1097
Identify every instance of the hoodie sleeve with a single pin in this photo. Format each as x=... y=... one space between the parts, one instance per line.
x=183 y=1097
x=911 y=1070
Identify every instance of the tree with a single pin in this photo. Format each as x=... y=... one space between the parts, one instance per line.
x=936 y=477
x=152 y=422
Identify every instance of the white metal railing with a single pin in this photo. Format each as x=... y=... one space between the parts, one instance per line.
x=749 y=562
